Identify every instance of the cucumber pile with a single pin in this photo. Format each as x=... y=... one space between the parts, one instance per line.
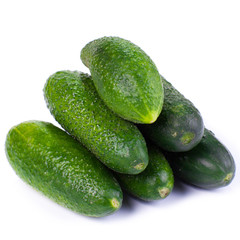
x=124 y=128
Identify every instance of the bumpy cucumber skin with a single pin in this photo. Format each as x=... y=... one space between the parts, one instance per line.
x=208 y=165
x=155 y=182
x=179 y=127
x=125 y=77
x=75 y=104
x=54 y=163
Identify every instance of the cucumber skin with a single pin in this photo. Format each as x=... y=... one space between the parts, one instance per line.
x=57 y=165
x=125 y=77
x=179 y=127
x=75 y=104
x=208 y=165
x=154 y=183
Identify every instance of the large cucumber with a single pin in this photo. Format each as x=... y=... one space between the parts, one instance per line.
x=179 y=127
x=75 y=104
x=125 y=77
x=208 y=165
x=54 y=163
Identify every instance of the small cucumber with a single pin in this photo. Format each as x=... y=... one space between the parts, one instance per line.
x=179 y=127
x=54 y=163
x=125 y=77
x=75 y=104
x=155 y=182
x=208 y=165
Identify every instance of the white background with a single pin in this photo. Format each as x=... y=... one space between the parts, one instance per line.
x=195 y=45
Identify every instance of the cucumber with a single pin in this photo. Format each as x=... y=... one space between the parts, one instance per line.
x=125 y=77
x=75 y=104
x=57 y=165
x=179 y=127
x=155 y=182
x=208 y=165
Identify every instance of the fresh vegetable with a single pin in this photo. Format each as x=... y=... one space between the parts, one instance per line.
x=179 y=127
x=125 y=77
x=75 y=104
x=155 y=182
x=208 y=165
x=54 y=163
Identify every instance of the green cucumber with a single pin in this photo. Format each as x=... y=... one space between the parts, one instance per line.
x=54 y=163
x=155 y=182
x=75 y=104
x=179 y=127
x=208 y=165
x=125 y=77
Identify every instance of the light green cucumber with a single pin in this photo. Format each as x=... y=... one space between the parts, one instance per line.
x=125 y=77
x=75 y=104
x=54 y=163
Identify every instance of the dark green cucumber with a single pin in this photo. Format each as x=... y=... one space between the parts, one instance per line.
x=179 y=127
x=125 y=77
x=155 y=182
x=75 y=104
x=54 y=163
x=208 y=165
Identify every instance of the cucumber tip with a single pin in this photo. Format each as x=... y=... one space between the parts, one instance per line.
x=228 y=178
x=163 y=192
x=115 y=203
